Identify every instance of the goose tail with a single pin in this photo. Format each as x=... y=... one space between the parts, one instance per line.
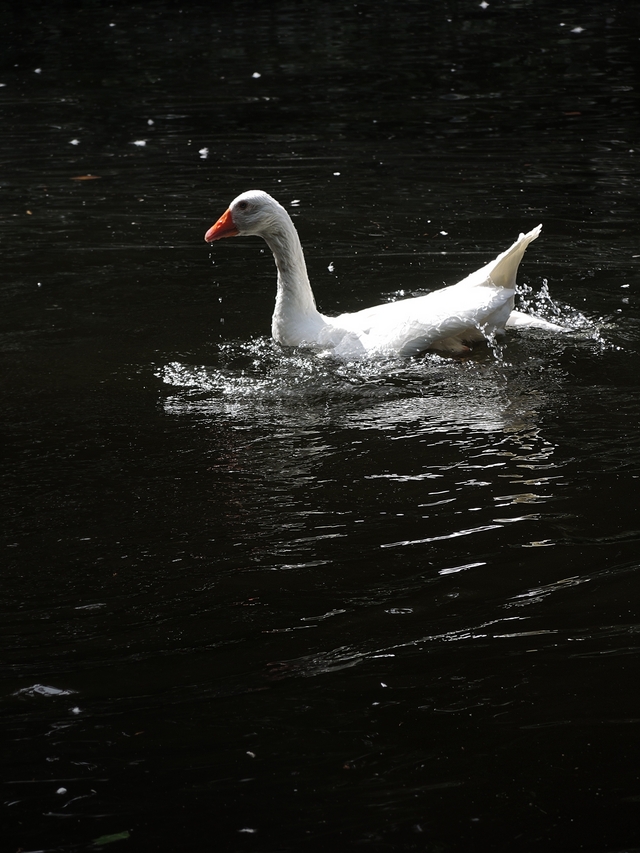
x=502 y=271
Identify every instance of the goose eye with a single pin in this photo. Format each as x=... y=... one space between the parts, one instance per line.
x=243 y=205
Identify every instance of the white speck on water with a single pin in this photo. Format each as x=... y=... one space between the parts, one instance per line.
x=75 y=142
x=577 y=30
x=75 y=710
x=249 y=830
x=444 y=233
x=331 y=267
x=42 y=690
x=204 y=153
x=295 y=202
x=61 y=791
x=37 y=70
x=484 y=5
x=2 y=85
x=256 y=75
x=139 y=142
x=336 y=173
x=150 y=122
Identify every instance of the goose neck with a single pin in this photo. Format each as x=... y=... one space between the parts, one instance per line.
x=293 y=280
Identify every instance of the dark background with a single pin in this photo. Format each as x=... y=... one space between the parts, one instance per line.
x=256 y=600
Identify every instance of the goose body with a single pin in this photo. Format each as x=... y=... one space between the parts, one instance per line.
x=447 y=320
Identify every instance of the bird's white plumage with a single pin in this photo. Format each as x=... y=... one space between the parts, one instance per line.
x=448 y=319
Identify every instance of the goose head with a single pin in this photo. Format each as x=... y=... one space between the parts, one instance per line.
x=251 y=213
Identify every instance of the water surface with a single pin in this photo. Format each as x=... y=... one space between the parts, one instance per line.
x=256 y=599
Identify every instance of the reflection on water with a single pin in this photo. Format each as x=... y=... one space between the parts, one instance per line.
x=434 y=438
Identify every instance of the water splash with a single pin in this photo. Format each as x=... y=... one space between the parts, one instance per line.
x=541 y=304
x=262 y=369
x=260 y=383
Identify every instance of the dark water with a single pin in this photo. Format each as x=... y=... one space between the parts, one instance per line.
x=257 y=600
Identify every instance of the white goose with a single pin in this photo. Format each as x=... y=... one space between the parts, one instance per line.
x=447 y=320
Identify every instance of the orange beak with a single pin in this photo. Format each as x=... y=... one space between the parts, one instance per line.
x=224 y=227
